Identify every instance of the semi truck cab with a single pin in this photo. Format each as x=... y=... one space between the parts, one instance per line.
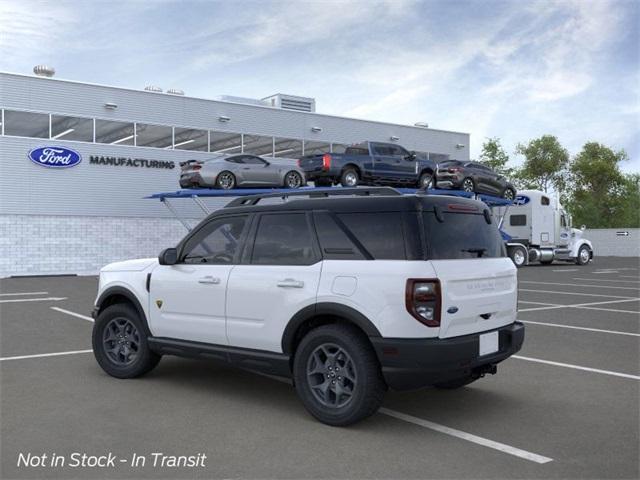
x=540 y=230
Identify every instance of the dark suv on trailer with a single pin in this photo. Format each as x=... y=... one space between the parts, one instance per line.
x=473 y=177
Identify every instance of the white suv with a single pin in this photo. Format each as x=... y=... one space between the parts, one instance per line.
x=347 y=295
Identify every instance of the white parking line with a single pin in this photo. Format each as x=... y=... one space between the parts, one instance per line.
x=48 y=299
x=628 y=276
x=606 y=280
x=73 y=314
x=574 y=293
x=588 y=306
x=567 y=270
x=577 y=367
x=581 y=285
x=597 y=330
x=485 y=442
x=40 y=355
x=23 y=293
x=605 y=272
x=633 y=312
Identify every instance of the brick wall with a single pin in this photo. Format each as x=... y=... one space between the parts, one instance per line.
x=41 y=245
x=607 y=242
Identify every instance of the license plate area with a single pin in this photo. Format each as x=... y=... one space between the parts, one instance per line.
x=489 y=343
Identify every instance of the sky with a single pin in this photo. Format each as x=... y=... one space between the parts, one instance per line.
x=515 y=70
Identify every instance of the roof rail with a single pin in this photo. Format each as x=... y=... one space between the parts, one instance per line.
x=251 y=200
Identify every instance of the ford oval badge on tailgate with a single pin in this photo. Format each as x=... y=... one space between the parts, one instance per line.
x=452 y=310
x=55 y=157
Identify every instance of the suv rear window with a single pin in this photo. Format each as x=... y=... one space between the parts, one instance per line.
x=462 y=235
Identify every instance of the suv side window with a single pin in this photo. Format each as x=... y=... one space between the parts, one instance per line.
x=334 y=242
x=284 y=239
x=380 y=233
x=218 y=242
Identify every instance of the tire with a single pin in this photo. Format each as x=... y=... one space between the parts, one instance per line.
x=122 y=323
x=454 y=384
x=323 y=182
x=518 y=256
x=293 y=180
x=468 y=185
x=584 y=255
x=321 y=353
x=226 y=180
x=349 y=178
x=426 y=181
x=508 y=194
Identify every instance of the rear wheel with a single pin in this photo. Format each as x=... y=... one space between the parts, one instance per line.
x=337 y=375
x=349 y=178
x=426 y=181
x=293 y=179
x=120 y=343
x=226 y=180
x=468 y=185
x=584 y=255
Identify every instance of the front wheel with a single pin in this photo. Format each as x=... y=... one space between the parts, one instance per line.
x=337 y=375
x=468 y=185
x=226 y=180
x=584 y=255
x=120 y=343
x=349 y=178
x=293 y=179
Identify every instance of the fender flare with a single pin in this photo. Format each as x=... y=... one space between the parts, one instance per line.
x=130 y=296
x=327 y=309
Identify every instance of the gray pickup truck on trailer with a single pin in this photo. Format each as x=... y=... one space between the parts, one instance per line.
x=370 y=163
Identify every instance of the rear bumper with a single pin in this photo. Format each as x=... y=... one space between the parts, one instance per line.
x=409 y=364
x=448 y=181
x=189 y=180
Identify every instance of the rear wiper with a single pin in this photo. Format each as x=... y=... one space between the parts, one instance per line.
x=479 y=251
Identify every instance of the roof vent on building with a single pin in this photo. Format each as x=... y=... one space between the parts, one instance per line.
x=44 y=71
x=291 y=102
x=175 y=91
x=153 y=88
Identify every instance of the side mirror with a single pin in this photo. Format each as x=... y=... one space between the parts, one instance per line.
x=169 y=256
x=411 y=157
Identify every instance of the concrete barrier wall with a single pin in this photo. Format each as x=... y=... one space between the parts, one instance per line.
x=615 y=242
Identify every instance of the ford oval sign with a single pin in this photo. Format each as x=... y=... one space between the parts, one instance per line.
x=55 y=157
x=521 y=200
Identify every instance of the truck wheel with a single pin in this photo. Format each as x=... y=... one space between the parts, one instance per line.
x=349 y=178
x=518 y=256
x=426 y=181
x=584 y=255
x=226 y=180
x=337 y=375
x=468 y=185
x=120 y=343
x=457 y=383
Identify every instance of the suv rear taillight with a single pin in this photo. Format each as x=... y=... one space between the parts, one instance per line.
x=454 y=169
x=326 y=161
x=299 y=162
x=423 y=300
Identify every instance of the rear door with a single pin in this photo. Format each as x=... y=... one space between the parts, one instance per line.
x=278 y=277
x=478 y=282
x=383 y=161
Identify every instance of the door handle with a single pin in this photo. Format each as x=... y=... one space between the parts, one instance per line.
x=291 y=283
x=209 y=280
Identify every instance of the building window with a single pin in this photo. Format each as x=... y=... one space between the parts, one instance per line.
x=225 y=142
x=316 y=148
x=114 y=133
x=190 y=139
x=71 y=128
x=157 y=136
x=258 y=145
x=287 y=148
x=26 y=124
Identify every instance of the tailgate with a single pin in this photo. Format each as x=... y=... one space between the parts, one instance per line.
x=311 y=163
x=477 y=294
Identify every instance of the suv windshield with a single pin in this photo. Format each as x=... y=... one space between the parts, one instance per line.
x=462 y=235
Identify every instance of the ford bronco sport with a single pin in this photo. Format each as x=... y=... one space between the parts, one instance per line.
x=348 y=295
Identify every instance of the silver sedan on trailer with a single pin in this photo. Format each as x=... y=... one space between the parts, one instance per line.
x=241 y=170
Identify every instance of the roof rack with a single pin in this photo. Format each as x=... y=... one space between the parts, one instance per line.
x=315 y=193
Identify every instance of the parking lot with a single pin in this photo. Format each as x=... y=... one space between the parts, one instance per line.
x=565 y=407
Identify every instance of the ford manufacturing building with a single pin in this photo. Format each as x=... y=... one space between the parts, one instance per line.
x=129 y=144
